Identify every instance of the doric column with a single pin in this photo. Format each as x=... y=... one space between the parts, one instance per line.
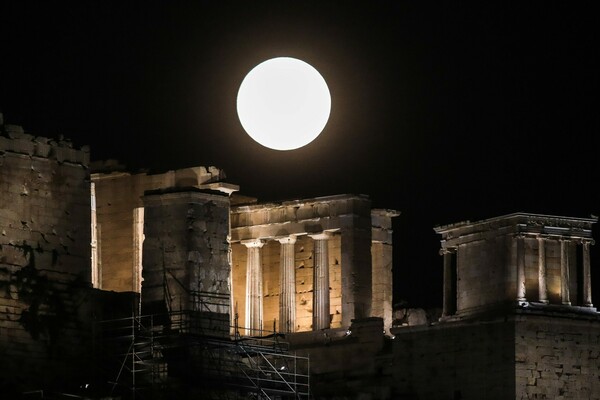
x=287 y=278
x=543 y=289
x=587 y=278
x=449 y=299
x=95 y=241
x=521 y=268
x=321 y=318
x=254 y=293
x=565 y=292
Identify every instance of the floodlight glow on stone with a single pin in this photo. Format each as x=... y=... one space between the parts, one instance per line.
x=283 y=103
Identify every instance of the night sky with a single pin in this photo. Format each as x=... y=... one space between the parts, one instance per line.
x=444 y=111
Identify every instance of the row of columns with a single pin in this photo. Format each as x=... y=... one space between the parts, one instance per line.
x=565 y=278
x=449 y=298
x=287 y=297
x=564 y=271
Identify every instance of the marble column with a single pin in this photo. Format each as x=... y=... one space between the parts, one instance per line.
x=565 y=280
x=449 y=299
x=587 y=278
x=254 y=292
x=521 y=294
x=287 y=279
x=543 y=288
x=321 y=318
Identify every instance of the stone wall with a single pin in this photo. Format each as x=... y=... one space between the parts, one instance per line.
x=458 y=360
x=557 y=357
x=347 y=363
x=486 y=273
x=44 y=259
x=528 y=355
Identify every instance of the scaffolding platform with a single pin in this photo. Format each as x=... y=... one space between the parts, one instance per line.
x=154 y=356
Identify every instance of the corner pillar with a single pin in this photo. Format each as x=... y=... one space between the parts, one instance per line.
x=587 y=278
x=521 y=294
x=543 y=288
x=449 y=299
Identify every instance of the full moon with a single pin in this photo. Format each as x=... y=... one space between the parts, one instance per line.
x=283 y=103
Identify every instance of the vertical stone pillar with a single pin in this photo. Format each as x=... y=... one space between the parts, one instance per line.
x=138 y=249
x=185 y=252
x=254 y=292
x=521 y=294
x=587 y=277
x=565 y=292
x=287 y=278
x=356 y=264
x=543 y=289
x=96 y=273
x=449 y=295
x=321 y=317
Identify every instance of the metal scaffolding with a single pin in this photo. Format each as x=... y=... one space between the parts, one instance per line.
x=144 y=357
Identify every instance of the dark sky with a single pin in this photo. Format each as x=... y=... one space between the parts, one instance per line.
x=445 y=111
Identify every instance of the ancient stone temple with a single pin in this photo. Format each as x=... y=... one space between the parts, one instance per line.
x=533 y=260
x=518 y=320
x=311 y=264
x=120 y=285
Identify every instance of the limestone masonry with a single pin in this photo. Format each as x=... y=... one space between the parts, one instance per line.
x=122 y=285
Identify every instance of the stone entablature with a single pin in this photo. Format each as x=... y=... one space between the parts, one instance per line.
x=528 y=224
x=298 y=217
x=209 y=178
x=518 y=258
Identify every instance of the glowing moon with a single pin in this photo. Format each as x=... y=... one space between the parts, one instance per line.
x=283 y=103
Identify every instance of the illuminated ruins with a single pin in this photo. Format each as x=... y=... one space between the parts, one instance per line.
x=174 y=285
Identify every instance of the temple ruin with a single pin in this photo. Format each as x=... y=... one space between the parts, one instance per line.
x=131 y=285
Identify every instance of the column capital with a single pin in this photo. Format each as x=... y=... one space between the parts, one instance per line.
x=287 y=239
x=447 y=250
x=325 y=235
x=587 y=242
x=253 y=243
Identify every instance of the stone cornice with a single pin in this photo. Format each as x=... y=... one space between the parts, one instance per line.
x=518 y=224
x=182 y=195
x=300 y=211
x=297 y=203
x=298 y=228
